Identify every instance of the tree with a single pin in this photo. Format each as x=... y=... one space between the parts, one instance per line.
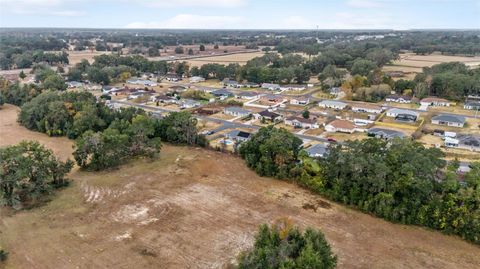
x=285 y=246
x=179 y=128
x=98 y=75
x=179 y=50
x=29 y=173
x=362 y=67
x=306 y=114
x=22 y=75
x=55 y=82
x=190 y=52
x=215 y=46
x=202 y=47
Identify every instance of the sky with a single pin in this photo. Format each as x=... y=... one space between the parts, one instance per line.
x=242 y=14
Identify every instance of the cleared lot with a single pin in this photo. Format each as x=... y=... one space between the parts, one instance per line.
x=195 y=208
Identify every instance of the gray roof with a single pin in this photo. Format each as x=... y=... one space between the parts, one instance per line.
x=238 y=133
x=247 y=94
x=450 y=118
x=238 y=110
x=469 y=140
x=315 y=150
x=221 y=92
x=402 y=111
x=333 y=103
x=386 y=133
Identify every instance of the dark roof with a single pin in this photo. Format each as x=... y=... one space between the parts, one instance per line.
x=450 y=118
x=396 y=96
x=317 y=149
x=386 y=133
x=221 y=92
x=269 y=114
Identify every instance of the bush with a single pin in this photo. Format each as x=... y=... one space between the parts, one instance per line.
x=3 y=255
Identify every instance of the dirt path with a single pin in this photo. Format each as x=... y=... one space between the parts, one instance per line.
x=194 y=208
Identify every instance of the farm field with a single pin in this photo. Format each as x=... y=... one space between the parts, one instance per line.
x=194 y=208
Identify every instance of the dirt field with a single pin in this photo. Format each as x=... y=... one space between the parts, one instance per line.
x=75 y=57
x=195 y=208
x=240 y=58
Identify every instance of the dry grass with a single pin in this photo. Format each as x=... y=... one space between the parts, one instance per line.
x=75 y=57
x=194 y=208
x=240 y=58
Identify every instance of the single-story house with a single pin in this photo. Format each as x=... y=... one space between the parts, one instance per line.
x=74 y=84
x=196 y=79
x=386 y=134
x=236 y=111
x=449 y=120
x=402 y=114
x=272 y=98
x=332 y=104
x=465 y=141
x=251 y=85
x=472 y=105
x=451 y=142
x=164 y=99
x=238 y=136
x=271 y=86
x=434 y=101
x=139 y=93
x=403 y=99
x=268 y=115
x=177 y=88
x=188 y=103
x=317 y=151
x=231 y=83
x=143 y=82
x=293 y=87
x=109 y=89
x=173 y=77
x=367 y=108
x=300 y=101
x=222 y=93
x=342 y=126
x=300 y=122
x=247 y=95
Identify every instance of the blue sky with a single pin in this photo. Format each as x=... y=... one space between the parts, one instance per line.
x=242 y=14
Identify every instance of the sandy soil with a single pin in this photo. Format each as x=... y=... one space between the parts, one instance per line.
x=195 y=208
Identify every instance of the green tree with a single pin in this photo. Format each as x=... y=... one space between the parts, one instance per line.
x=362 y=67
x=202 y=47
x=55 y=82
x=306 y=114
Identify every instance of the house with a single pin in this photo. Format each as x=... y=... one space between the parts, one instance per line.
x=251 y=85
x=386 y=134
x=434 y=101
x=471 y=142
x=267 y=115
x=451 y=142
x=238 y=136
x=74 y=84
x=222 y=93
x=472 y=105
x=109 y=89
x=449 y=120
x=342 y=126
x=317 y=151
x=231 y=83
x=247 y=95
x=367 y=108
x=143 y=82
x=300 y=122
x=293 y=87
x=402 y=99
x=300 y=101
x=139 y=93
x=196 y=79
x=236 y=111
x=164 y=99
x=188 y=103
x=173 y=77
x=402 y=114
x=270 y=86
x=332 y=104
x=177 y=88
x=272 y=98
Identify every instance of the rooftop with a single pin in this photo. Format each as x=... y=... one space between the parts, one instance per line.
x=450 y=118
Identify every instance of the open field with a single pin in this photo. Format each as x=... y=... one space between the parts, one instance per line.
x=75 y=57
x=195 y=208
x=240 y=58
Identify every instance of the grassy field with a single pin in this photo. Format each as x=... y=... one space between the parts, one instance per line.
x=75 y=57
x=194 y=208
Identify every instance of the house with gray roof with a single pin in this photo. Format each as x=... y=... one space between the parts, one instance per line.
x=271 y=86
x=317 y=151
x=449 y=120
x=238 y=136
x=332 y=104
x=402 y=114
x=222 y=93
x=247 y=95
x=236 y=111
x=472 y=105
x=383 y=133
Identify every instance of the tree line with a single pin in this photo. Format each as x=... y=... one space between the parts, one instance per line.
x=400 y=181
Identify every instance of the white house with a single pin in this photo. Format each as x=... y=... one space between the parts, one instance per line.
x=449 y=120
x=434 y=101
x=403 y=99
x=271 y=86
x=301 y=122
x=342 y=126
x=293 y=87
x=332 y=104
x=367 y=108
x=472 y=105
x=196 y=79
x=236 y=111
x=300 y=101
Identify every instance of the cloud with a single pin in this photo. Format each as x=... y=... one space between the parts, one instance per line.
x=193 y=3
x=364 y=3
x=189 y=21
